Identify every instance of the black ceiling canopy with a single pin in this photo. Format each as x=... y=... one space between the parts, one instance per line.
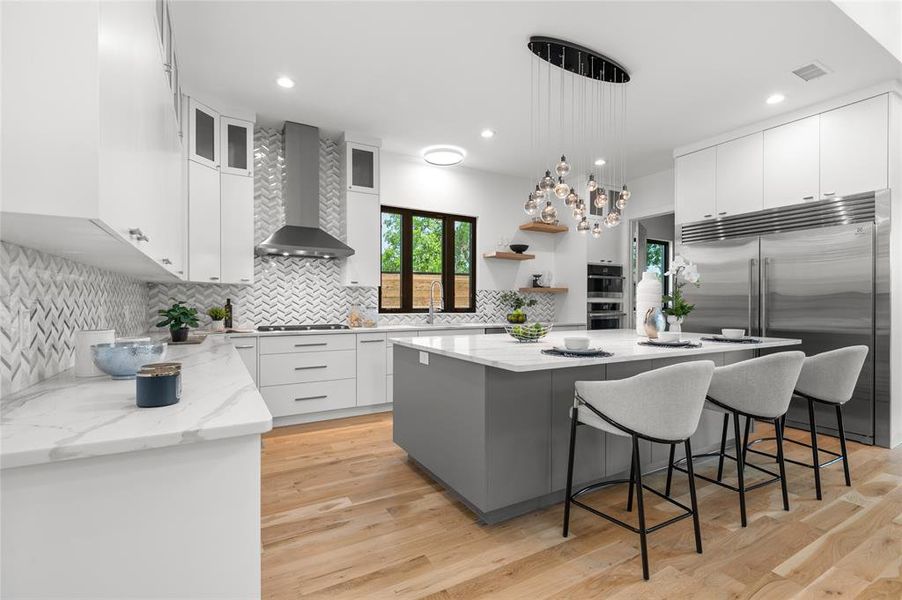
x=578 y=59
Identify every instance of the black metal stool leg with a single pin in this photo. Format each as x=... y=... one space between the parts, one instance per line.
x=740 y=468
x=842 y=444
x=723 y=446
x=691 y=474
x=629 y=498
x=670 y=469
x=782 y=463
x=573 y=419
x=643 y=543
x=745 y=438
x=816 y=462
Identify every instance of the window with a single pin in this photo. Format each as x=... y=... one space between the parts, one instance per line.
x=421 y=248
x=657 y=259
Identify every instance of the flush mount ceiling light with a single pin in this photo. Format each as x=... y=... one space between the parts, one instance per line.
x=487 y=133
x=285 y=82
x=775 y=98
x=444 y=156
x=578 y=104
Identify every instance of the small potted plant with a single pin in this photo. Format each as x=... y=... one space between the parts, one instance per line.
x=676 y=307
x=178 y=318
x=516 y=302
x=216 y=314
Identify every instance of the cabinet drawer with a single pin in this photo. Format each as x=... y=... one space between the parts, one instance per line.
x=306 y=343
x=302 y=398
x=303 y=367
x=247 y=350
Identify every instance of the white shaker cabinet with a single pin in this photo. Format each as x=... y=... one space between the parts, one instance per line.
x=371 y=369
x=237 y=151
x=695 y=186
x=363 y=235
x=361 y=167
x=792 y=163
x=236 y=228
x=740 y=176
x=853 y=148
x=203 y=223
x=203 y=134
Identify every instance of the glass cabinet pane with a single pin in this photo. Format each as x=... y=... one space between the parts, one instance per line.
x=237 y=146
x=204 y=135
x=362 y=168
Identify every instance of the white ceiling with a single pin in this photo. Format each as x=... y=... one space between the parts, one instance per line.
x=422 y=73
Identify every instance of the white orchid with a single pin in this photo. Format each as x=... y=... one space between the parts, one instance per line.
x=683 y=272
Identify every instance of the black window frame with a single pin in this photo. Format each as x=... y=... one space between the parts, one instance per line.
x=665 y=280
x=448 y=274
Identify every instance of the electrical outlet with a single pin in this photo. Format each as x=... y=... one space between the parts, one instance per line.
x=424 y=358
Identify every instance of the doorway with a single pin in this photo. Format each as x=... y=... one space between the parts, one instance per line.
x=651 y=249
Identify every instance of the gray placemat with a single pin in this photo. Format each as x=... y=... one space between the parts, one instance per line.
x=555 y=352
x=734 y=341
x=683 y=345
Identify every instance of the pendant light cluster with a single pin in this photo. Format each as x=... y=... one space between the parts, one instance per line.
x=577 y=104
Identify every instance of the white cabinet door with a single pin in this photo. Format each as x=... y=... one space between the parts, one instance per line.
x=792 y=163
x=237 y=228
x=362 y=168
x=203 y=223
x=364 y=227
x=695 y=186
x=237 y=139
x=203 y=134
x=247 y=350
x=371 y=368
x=740 y=175
x=854 y=148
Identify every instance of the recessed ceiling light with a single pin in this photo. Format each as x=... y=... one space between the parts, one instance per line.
x=444 y=156
x=599 y=162
x=285 y=82
x=775 y=98
x=487 y=133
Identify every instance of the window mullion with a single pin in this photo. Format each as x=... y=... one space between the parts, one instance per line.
x=406 y=262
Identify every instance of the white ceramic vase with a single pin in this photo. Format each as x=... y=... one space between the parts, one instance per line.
x=648 y=295
x=217 y=325
x=675 y=324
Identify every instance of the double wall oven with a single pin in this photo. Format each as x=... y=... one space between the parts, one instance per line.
x=604 y=304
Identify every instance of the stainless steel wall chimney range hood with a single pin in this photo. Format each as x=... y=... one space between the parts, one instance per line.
x=301 y=236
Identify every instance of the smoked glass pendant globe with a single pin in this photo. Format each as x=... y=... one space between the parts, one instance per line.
x=539 y=194
x=601 y=199
x=546 y=184
x=563 y=167
x=592 y=184
x=625 y=193
x=583 y=225
x=531 y=207
x=613 y=219
x=596 y=230
x=549 y=213
x=571 y=198
x=561 y=189
x=621 y=203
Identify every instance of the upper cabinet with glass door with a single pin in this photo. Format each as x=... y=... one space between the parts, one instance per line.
x=362 y=168
x=237 y=138
x=203 y=137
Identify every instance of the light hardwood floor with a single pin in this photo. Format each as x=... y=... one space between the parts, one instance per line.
x=346 y=516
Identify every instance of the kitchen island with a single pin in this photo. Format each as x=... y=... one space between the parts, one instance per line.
x=102 y=499
x=488 y=417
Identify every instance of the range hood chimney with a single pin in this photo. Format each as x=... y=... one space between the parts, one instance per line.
x=301 y=236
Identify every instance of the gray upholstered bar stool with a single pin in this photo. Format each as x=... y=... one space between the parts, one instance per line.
x=663 y=406
x=827 y=378
x=759 y=388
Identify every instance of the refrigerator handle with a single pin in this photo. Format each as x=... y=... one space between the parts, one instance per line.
x=764 y=296
x=752 y=264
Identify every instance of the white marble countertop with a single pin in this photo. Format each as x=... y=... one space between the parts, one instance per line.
x=388 y=329
x=504 y=352
x=66 y=417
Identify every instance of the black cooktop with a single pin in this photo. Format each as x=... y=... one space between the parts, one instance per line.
x=315 y=327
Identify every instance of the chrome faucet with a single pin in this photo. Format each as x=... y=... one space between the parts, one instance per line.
x=441 y=302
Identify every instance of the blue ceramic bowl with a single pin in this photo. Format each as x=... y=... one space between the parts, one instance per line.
x=121 y=360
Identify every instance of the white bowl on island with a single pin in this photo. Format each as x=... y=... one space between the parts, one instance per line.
x=669 y=336
x=733 y=334
x=576 y=343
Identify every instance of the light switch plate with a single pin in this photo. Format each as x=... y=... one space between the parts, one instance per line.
x=424 y=358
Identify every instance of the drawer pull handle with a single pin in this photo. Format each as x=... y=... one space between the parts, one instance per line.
x=245 y=347
x=323 y=397
x=370 y=341
x=708 y=216
x=313 y=367
x=807 y=197
x=310 y=344
x=722 y=213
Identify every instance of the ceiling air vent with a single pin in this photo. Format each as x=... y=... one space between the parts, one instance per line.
x=811 y=71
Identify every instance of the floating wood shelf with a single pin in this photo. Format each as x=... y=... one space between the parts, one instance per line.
x=508 y=256
x=544 y=227
x=544 y=290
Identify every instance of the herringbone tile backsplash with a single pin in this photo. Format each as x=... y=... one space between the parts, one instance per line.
x=293 y=290
x=45 y=299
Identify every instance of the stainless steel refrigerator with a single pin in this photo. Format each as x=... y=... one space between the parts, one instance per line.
x=818 y=272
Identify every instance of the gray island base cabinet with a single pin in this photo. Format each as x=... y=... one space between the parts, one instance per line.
x=498 y=439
